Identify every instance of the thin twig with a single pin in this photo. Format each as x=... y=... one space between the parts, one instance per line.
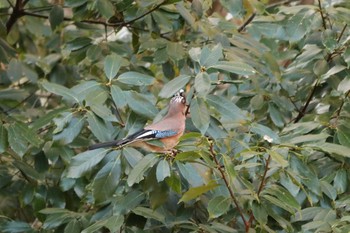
x=19 y=104
x=248 y=21
x=341 y=106
x=228 y=186
x=10 y=3
x=19 y=12
x=303 y=110
x=261 y=186
x=322 y=16
x=341 y=33
x=106 y=24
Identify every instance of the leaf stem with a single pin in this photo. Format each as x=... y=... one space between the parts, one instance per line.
x=228 y=186
x=248 y=21
x=322 y=16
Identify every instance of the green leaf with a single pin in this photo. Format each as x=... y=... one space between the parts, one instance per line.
x=73 y=226
x=100 y=128
x=28 y=170
x=118 y=96
x=278 y=158
x=202 y=84
x=149 y=213
x=190 y=174
x=16 y=227
x=113 y=224
x=78 y=43
x=136 y=79
x=332 y=148
x=199 y=114
x=235 y=67
x=228 y=110
x=3 y=138
x=210 y=57
x=259 y=212
x=306 y=214
x=107 y=179
x=85 y=162
x=112 y=65
x=283 y=198
x=187 y=156
x=132 y=155
x=276 y=115
x=334 y=70
x=195 y=192
x=170 y=88
x=56 y=16
x=125 y=203
x=46 y=119
x=308 y=138
x=343 y=134
x=57 y=217
x=70 y=132
x=218 y=206
x=163 y=170
x=137 y=173
x=14 y=70
x=60 y=90
x=174 y=182
x=106 y=8
x=329 y=190
x=104 y=112
x=341 y=181
x=265 y=133
x=229 y=167
x=141 y=104
x=94 y=52
x=19 y=136
x=175 y=51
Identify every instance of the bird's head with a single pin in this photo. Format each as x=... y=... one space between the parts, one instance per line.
x=178 y=102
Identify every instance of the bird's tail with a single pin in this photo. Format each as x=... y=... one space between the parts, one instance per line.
x=118 y=143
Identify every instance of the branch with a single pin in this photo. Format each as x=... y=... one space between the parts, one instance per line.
x=10 y=3
x=104 y=23
x=228 y=186
x=322 y=16
x=261 y=186
x=341 y=106
x=303 y=110
x=341 y=33
x=249 y=20
x=15 y=15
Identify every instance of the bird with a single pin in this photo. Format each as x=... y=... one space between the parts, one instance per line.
x=168 y=130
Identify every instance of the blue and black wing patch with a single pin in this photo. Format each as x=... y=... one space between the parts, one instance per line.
x=148 y=134
x=153 y=134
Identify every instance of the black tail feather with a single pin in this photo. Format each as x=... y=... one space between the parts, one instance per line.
x=118 y=143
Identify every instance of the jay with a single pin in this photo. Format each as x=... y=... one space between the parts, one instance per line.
x=168 y=130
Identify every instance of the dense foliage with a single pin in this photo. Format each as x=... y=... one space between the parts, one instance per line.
x=267 y=142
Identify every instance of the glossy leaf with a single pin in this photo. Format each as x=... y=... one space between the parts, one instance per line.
x=202 y=84
x=195 y=192
x=85 y=162
x=199 y=114
x=174 y=86
x=163 y=170
x=112 y=223
x=112 y=65
x=56 y=16
x=107 y=179
x=60 y=90
x=234 y=67
x=137 y=173
x=218 y=206
x=136 y=79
